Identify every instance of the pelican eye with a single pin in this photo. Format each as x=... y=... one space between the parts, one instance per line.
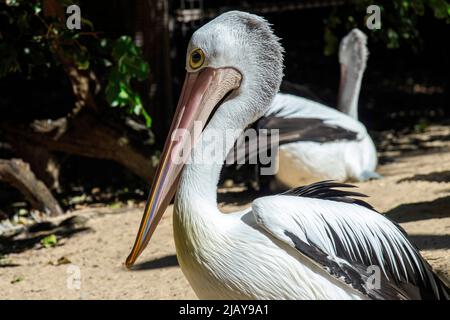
x=196 y=59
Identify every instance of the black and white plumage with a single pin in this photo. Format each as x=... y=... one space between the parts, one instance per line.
x=318 y=142
x=314 y=242
x=315 y=143
x=348 y=238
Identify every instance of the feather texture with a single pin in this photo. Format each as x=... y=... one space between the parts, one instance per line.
x=346 y=236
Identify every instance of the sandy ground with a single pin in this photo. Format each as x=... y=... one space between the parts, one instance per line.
x=415 y=191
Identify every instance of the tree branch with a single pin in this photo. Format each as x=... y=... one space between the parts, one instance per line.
x=18 y=174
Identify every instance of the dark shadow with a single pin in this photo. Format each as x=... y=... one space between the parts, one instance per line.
x=429 y=242
x=407 y=144
x=8 y=245
x=383 y=160
x=419 y=151
x=9 y=265
x=164 y=262
x=439 y=176
x=236 y=198
x=34 y=234
x=440 y=137
x=244 y=197
x=31 y=237
x=439 y=208
x=249 y=185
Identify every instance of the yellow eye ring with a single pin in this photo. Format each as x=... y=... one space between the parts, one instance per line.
x=196 y=58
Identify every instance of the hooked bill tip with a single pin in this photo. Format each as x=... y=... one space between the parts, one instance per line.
x=129 y=262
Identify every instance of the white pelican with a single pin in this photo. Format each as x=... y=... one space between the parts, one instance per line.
x=313 y=242
x=319 y=142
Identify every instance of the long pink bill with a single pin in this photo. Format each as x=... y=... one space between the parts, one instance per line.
x=201 y=92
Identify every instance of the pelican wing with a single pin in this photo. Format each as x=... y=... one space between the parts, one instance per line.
x=350 y=241
x=290 y=130
x=306 y=129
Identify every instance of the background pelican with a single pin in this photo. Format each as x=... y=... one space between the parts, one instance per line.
x=318 y=142
x=353 y=55
x=313 y=242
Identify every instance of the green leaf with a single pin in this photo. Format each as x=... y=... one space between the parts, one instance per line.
x=37 y=8
x=137 y=109
x=123 y=93
x=12 y=3
x=440 y=8
x=49 y=241
x=392 y=39
x=107 y=63
x=88 y=23
x=124 y=45
x=31 y=43
x=115 y=205
x=148 y=119
x=127 y=65
x=17 y=279
x=83 y=63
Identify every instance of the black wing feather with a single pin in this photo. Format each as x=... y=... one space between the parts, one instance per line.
x=306 y=129
x=355 y=272
x=325 y=190
x=290 y=130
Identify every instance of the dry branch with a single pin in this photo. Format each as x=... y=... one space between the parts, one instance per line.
x=43 y=163
x=18 y=174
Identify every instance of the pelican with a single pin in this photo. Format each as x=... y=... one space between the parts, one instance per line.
x=318 y=142
x=313 y=242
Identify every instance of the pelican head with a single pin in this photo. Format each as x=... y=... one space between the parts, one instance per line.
x=234 y=55
x=353 y=56
x=353 y=51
